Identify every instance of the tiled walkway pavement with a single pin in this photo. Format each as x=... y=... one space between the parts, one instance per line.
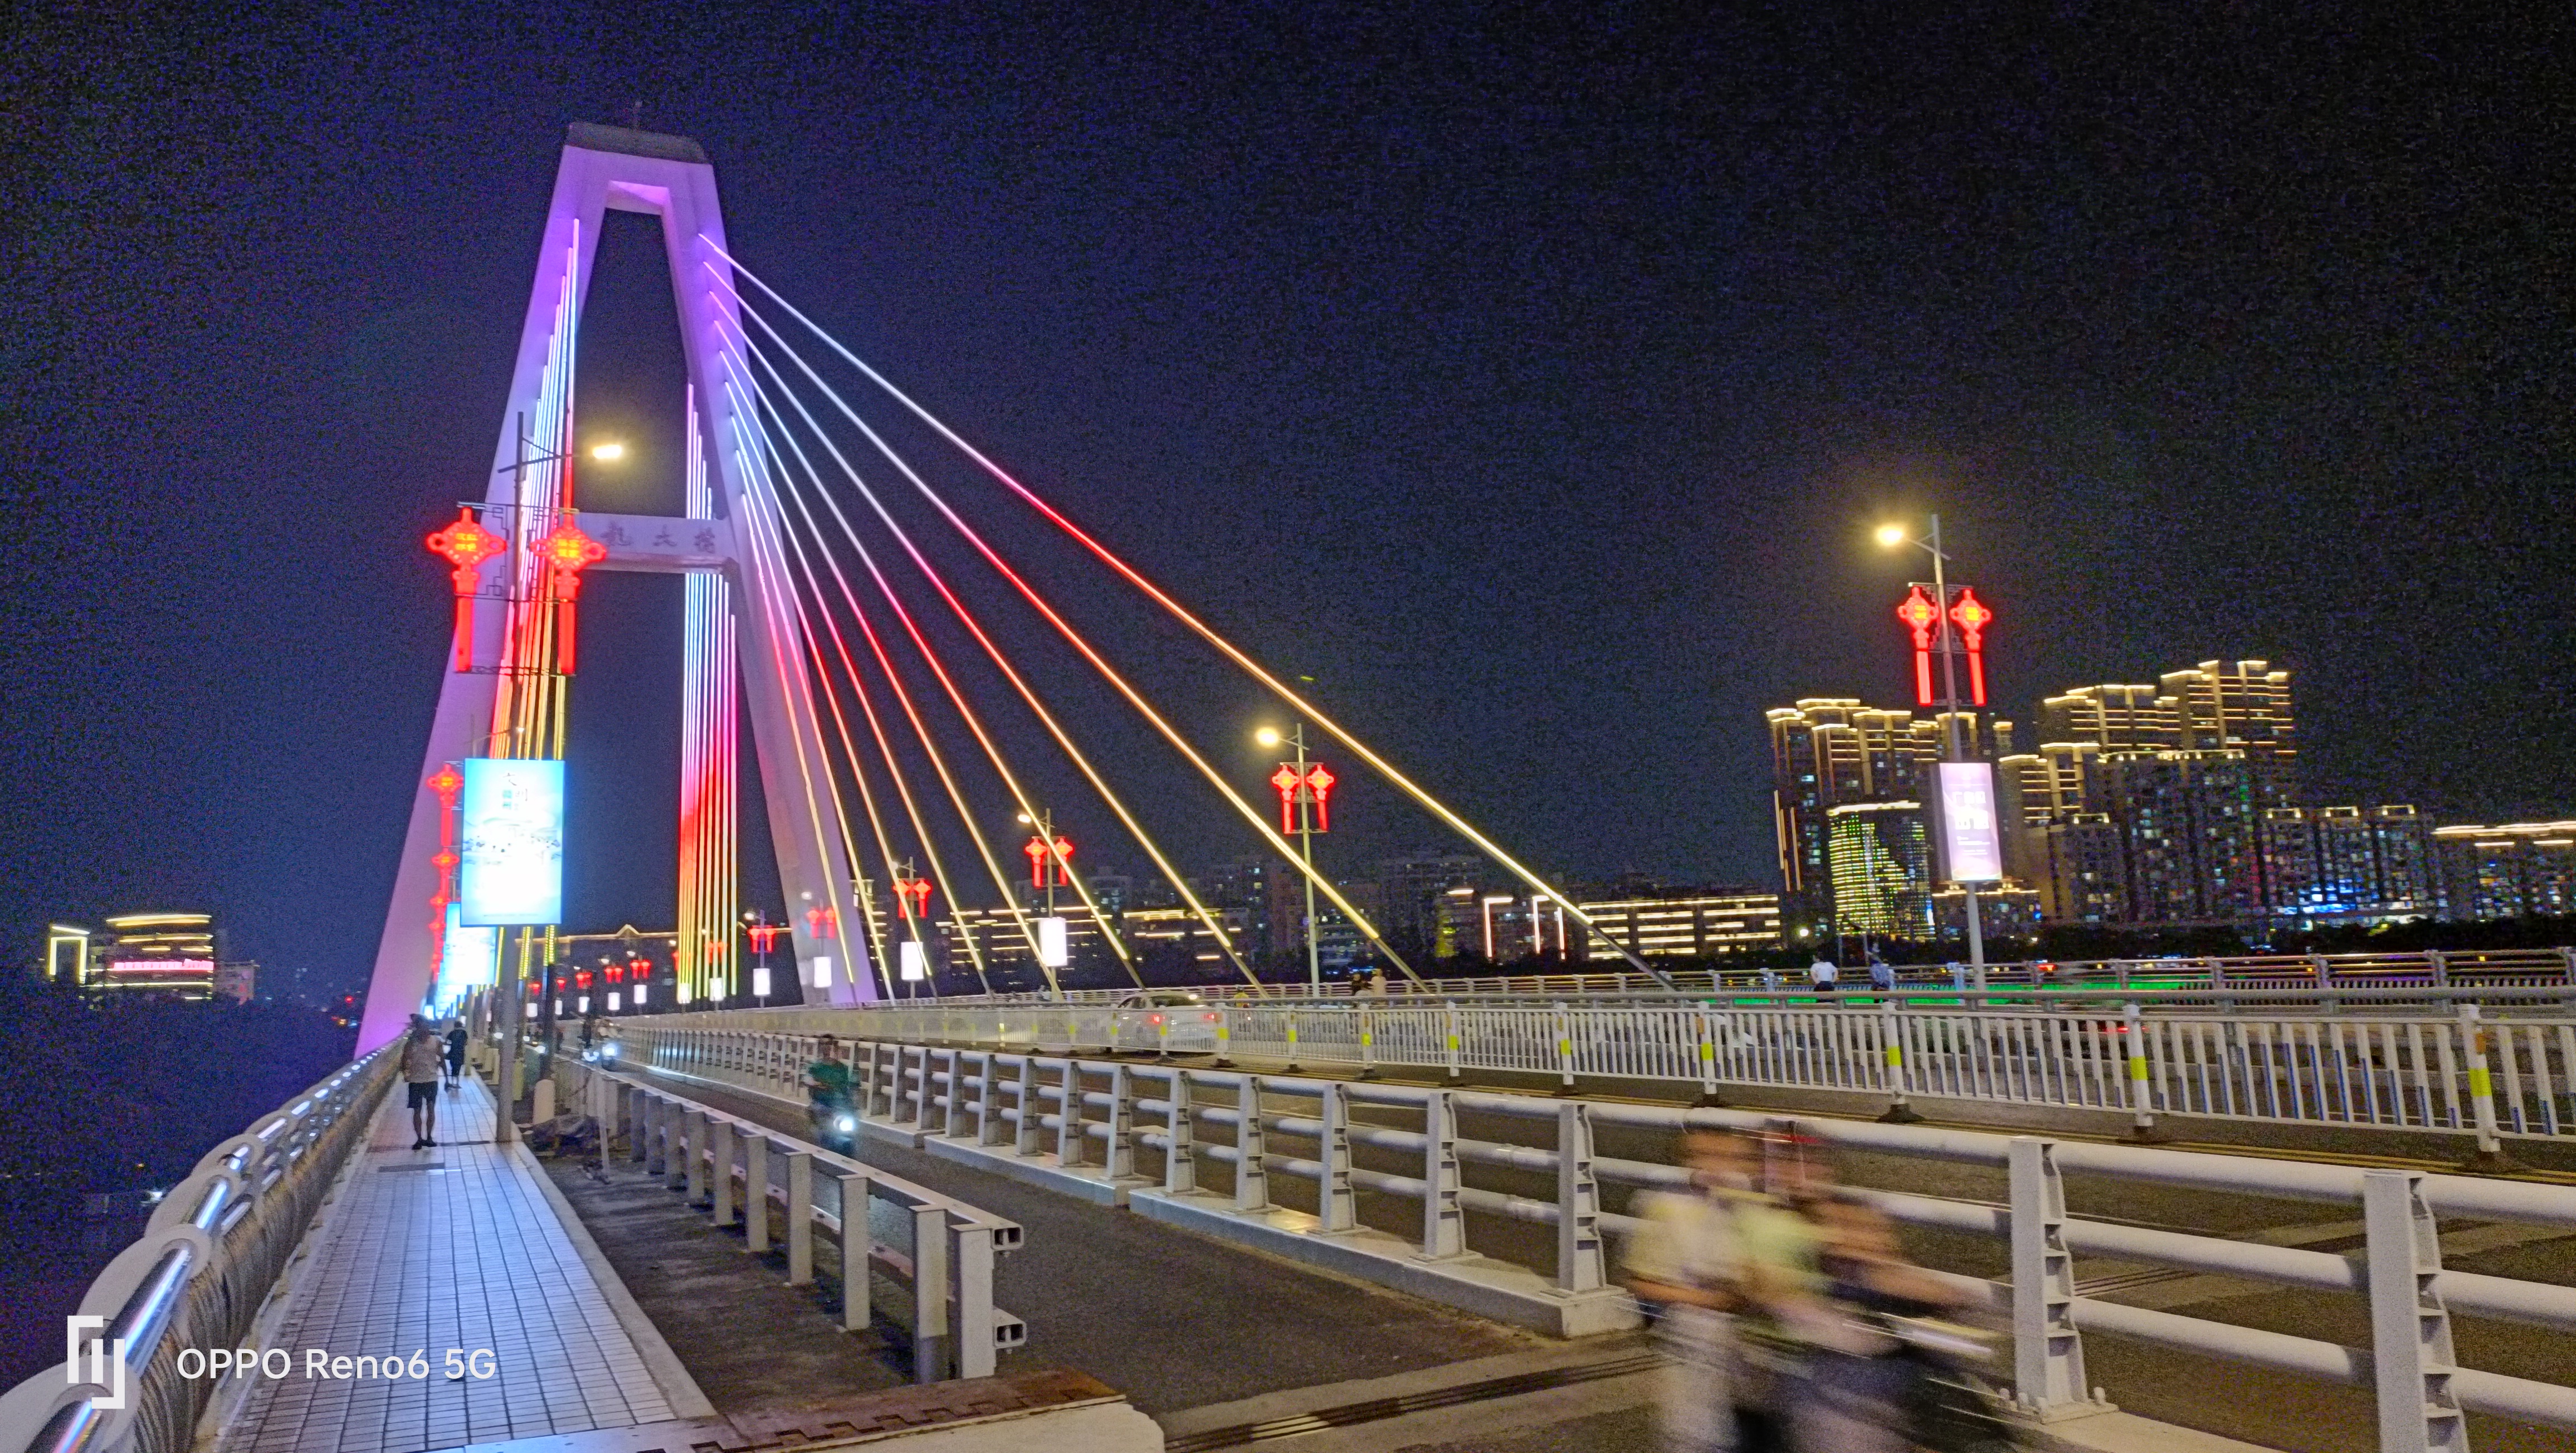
x=451 y=1247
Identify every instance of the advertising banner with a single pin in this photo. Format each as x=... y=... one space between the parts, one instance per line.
x=471 y=959
x=1052 y=950
x=1971 y=844
x=510 y=840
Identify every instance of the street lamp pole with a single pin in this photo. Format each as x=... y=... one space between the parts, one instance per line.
x=1302 y=797
x=1954 y=750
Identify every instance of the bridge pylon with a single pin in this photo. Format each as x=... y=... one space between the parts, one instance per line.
x=741 y=601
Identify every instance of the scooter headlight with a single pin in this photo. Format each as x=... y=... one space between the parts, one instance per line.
x=845 y=1124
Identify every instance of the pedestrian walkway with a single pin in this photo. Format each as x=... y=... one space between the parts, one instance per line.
x=462 y=1246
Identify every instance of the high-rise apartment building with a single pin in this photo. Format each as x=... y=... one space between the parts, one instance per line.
x=2339 y=865
x=1832 y=751
x=2512 y=870
x=2189 y=826
x=2113 y=717
x=2080 y=868
x=2239 y=706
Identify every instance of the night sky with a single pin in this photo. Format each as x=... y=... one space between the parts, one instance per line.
x=1529 y=378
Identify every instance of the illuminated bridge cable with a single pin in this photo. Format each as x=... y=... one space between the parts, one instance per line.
x=766 y=566
x=1108 y=795
x=737 y=385
x=885 y=749
x=740 y=386
x=956 y=696
x=1259 y=820
x=865 y=903
x=1028 y=807
x=1278 y=688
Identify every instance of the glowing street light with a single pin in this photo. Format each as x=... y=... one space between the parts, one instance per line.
x=609 y=452
x=1936 y=624
x=1302 y=790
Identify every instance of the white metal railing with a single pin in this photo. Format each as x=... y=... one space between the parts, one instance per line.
x=942 y=1249
x=196 y=1278
x=1110 y=1120
x=2461 y=1073
x=2535 y=968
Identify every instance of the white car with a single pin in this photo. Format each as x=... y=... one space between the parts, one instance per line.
x=1178 y=1020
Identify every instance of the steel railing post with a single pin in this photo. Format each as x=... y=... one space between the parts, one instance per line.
x=681 y=1172
x=988 y=1119
x=1180 y=1137
x=2048 y=1352
x=1444 y=1221
x=755 y=1192
x=2482 y=1106
x=856 y=1309
x=1579 y=1266
x=1291 y=1017
x=639 y=1141
x=955 y=1123
x=1450 y=1038
x=720 y=1139
x=1118 y=1160
x=676 y=1173
x=1032 y=1121
x=971 y=1264
x=800 y=1214
x=1704 y=1029
x=932 y=1341
x=1070 y=1150
x=1251 y=1148
x=1561 y=1027
x=1336 y=1203
x=1224 y=1035
x=2410 y=1327
x=2441 y=967
x=1892 y=1055
x=2142 y=1089
x=1368 y=1041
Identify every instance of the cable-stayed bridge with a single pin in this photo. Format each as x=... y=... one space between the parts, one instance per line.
x=2343 y=1197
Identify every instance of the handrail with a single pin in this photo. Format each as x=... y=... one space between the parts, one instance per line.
x=258 y=1194
x=2461 y=1073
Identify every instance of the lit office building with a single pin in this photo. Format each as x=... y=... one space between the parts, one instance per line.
x=1881 y=861
x=2113 y=717
x=1681 y=924
x=2513 y=870
x=164 y=953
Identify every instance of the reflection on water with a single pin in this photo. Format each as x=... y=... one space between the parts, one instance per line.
x=49 y=1251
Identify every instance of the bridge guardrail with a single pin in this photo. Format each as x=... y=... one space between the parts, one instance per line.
x=2543 y=968
x=942 y=1248
x=197 y=1277
x=2460 y=1074
x=1039 y=1109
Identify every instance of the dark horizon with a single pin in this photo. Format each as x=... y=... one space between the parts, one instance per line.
x=1533 y=387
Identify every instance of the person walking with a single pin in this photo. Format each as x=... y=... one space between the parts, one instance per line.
x=1708 y=1258
x=421 y=1058
x=455 y=1054
x=1821 y=975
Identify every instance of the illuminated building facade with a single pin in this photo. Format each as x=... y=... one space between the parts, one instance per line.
x=1693 y=924
x=1831 y=752
x=2347 y=865
x=1880 y=857
x=2189 y=822
x=161 y=953
x=2080 y=869
x=2512 y=870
